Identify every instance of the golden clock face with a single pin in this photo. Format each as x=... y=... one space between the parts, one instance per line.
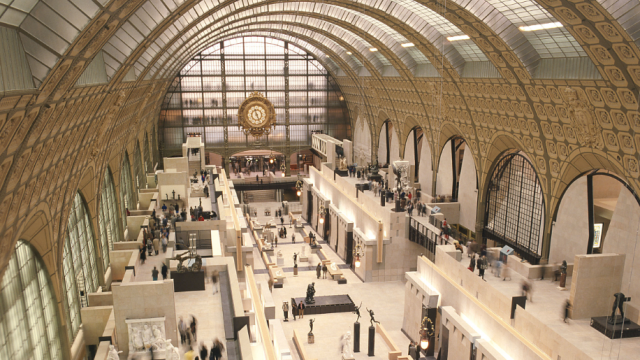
x=256 y=115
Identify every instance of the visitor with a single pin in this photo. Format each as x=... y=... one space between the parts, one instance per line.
x=270 y=282
x=182 y=329
x=567 y=308
x=164 y=271
x=164 y=208
x=149 y=247
x=497 y=269
x=285 y=310
x=214 y=281
x=193 y=329
x=318 y=269
x=206 y=191
x=189 y=355
x=482 y=266
x=472 y=263
x=527 y=290
x=154 y=274
x=506 y=272
x=216 y=350
x=324 y=271
x=301 y=307
x=156 y=245
x=203 y=351
x=293 y=238
x=143 y=254
x=164 y=244
x=281 y=220
x=294 y=309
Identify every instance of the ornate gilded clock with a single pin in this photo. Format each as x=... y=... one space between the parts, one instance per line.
x=256 y=115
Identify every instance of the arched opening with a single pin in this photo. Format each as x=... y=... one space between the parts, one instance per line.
x=413 y=150
x=388 y=145
x=148 y=167
x=362 y=142
x=127 y=200
x=79 y=263
x=108 y=217
x=206 y=94
x=448 y=177
x=138 y=170
x=29 y=319
x=515 y=207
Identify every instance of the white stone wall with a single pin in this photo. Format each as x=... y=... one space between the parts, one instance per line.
x=467 y=191
x=444 y=180
x=361 y=143
x=622 y=238
x=425 y=172
x=382 y=145
x=394 y=146
x=570 y=234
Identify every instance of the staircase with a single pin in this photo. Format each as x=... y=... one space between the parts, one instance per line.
x=260 y=196
x=194 y=167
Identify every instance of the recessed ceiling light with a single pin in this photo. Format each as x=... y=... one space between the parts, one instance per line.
x=406 y=45
x=349 y=53
x=373 y=49
x=552 y=25
x=458 y=38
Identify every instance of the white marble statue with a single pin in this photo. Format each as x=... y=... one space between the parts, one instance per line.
x=343 y=163
x=113 y=353
x=346 y=346
x=136 y=343
x=279 y=253
x=171 y=353
x=145 y=334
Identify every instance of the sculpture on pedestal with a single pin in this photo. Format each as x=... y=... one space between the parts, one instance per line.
x=196 y=266
x=146 y=335
x=311 y=321
x=311 y=291
x=113 y=353
x=174 y=194
x=346 y=346
x=619 y=301
x=563 y=274
x=171 y=353
x=373 y=320
x=343 y=163
x=295 y=259
x=357 y=311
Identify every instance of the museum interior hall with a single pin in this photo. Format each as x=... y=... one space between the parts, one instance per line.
x=259 y=180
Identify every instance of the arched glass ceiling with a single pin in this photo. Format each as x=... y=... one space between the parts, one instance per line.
x=300 y=37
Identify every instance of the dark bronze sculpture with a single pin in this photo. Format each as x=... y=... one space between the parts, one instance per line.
x=311 y=291
x=619 y=301
x=373 y=320
x=357 y=311
x=197 y=265
x=311 y=321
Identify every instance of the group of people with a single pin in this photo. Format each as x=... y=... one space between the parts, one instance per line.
x=165 y=272
x=297 y=309
x=154 y=238
x=321 y=268
x=188 y=337
x=196 y=214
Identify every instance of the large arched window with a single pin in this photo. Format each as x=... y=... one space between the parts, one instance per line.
x=205 y=96
x=126 y=189
x=108 y=219
x=138 y=170
x=515 y=207
x=29 y=323
x=79 y=263
x=147 y=157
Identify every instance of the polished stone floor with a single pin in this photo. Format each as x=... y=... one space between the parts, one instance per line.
x=385 y=299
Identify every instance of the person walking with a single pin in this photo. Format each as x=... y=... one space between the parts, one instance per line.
x=203 y=351
x=216 y=350
x=472 y=263
x=143 y=254
x=193 y=327
x=164 y=271
x=482 y=266
x=182 y=329
x=301 y=307
x=567 y=307
x=156 y=245
x=294 y=309
x=318 y=269
x=324 y=271
x=164 y=244
x=214 y=281
x=154 y=274
x=285 y=310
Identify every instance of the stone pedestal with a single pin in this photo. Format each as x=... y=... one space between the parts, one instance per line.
x=372 y=341
x=295 y=270
x=563 y=280
x=310 y=338
x=356 y=337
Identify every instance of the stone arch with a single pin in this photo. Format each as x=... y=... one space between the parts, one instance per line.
x=388 y=150
x=362 y=141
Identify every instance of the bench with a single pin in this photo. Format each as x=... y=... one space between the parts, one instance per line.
x=334 y=271
x=394 y=352
x=299 y=344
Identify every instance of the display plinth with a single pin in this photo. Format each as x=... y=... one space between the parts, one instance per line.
x=328 y=304
x=372 y=341
x=188 y=281
x=356 y=337
x=295 y=270
x=310 y=338
x=375 y=177
x=627 y=330
x=342 y=173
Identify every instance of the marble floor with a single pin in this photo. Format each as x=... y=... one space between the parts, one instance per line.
x=385 y=299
